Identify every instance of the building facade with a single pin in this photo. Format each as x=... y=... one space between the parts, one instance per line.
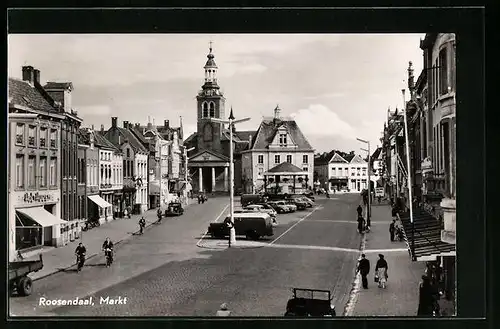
x=106 y=188
x=34 y=188
x=61 y=93
x=81 y=211
x=135 y=165
x=92 y=172
x=277 y=140
x=332 y=172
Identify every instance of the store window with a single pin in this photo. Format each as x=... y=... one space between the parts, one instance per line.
x=28 y=232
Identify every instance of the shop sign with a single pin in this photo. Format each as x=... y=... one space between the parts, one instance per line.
x=36 y=197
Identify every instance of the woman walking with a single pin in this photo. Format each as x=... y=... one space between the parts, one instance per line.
x=381 y=271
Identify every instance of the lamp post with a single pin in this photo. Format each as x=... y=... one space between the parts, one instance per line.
x=369 y=212
x=231 y=122
x=408 y=171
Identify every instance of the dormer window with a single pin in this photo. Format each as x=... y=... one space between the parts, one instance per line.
x=282 y=139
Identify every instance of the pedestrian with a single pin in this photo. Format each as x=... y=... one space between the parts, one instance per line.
x=392 y=229
x=359 y=209
x=142 y=224
x=426 y=299
x=159 y=215
x=364 y=269
x=361 y=223
x=223 y=311
x=381 y=271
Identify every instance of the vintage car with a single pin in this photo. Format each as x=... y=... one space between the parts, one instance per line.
x=310 y=302
x=253 y=225
x=261 y=208
x=298 y=202
x=282 y=207
x=174 y=209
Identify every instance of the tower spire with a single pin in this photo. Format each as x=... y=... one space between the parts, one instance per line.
x=231 y=116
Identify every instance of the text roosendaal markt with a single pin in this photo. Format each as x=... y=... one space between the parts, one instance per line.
x=90 y=301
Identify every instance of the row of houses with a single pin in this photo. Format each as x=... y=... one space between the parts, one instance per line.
x=430 y=113
x=62 y=174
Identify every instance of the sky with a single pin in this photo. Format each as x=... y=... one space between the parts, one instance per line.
x=336 y=86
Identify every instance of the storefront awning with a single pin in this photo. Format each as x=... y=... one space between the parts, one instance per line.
x=99 y=201
x=425 y=243
x=41 y=216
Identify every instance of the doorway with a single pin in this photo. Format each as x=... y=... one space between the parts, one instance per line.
x=207 y=179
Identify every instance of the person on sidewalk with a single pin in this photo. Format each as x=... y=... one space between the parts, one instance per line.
x=159 y=214
x=381 y=271
x=361 y=224
x=364 y=269
x=142 y=224
x=223 y=311
x=392 y=229
x=427 y=297
x=359 y=209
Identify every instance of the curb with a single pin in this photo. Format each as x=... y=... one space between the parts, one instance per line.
x=92 y=255
x=224 y=246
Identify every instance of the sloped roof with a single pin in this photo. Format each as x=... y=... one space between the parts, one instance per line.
x=58 y=85
x=245 y=135
x=268 y=128
x=190 y=138
x=22 y=93
x=216 y=154
x=285 y=167
x=83 y=136
x=337 y=159
x=102 y=141
x=357 y=159
x=132 y=140
x=349 y=157
x=377 y=153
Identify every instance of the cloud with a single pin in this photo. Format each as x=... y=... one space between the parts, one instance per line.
x=189 y=129
x=327 y=95
x=319 y=120
x=100 y=110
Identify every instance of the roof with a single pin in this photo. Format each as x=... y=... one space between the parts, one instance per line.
x=337 y=159
x=377 y=153
x=191 y=137
x=22 y=93
x=268 y=128
x=285 y=167
x=131 y=139
x=357 y=159
x=102 y=141
x=245 y=135
x=58 y=85
x=349 y=157
x=83 y=136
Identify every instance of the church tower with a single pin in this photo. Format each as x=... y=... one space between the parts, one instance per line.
x=210 y=104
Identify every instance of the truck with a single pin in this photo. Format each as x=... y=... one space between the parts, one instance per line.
x=253 y=225
x=310 y=302
x=19 y=280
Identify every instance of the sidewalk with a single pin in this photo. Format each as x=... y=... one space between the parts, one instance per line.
x=58 y=259
x=400 y=298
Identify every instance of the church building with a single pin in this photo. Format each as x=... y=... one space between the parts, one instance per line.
x=209 y=160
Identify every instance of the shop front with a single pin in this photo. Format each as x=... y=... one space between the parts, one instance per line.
x=118 y=204
x=337 y=184
x=35 y=220
x=102 y=210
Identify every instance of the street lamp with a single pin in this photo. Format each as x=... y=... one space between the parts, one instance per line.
x=369 y=212
x=231 y=122
x=408 y=171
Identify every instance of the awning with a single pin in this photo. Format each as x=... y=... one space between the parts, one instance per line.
x=99 y=201
x=41 y=216
x=426 y=244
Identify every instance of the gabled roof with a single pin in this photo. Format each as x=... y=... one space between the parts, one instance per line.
x=214 y=156
x=132 y=140
x=337 y=159
x=22 y=93
x=285 y=167
x=102 y=141
x=349 y=157
x=357 y=159
x=377 y=153
x=245 y=135
x=268 y=128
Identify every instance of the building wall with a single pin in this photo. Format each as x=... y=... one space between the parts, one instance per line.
x=38 y=194
x=93 y=180
x=105 y=180
x=140 y=168
x=81 y=211
x=358 y=177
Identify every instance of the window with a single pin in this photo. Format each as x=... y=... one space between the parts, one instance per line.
x=364 y=171
x=53 y=138
x=212 y=109
x=31 y=171
x=19 y=171
x=282 y=139
x=261 y=171
x=31 y=135
x=52 y=171
x=20 y=134
x=443 y=72
x=358 y=171
x=277 y=158
x=204 y=110
x=260 y=159
x=289 y=158
x=305 y=158
x=43 y=137
x=305 y=169
x=43 y=172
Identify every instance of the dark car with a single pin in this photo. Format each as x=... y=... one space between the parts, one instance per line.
x=310 y=302
x=301 y=204
x=174 y=209
x=252 y=225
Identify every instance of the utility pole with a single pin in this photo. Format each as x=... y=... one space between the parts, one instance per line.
x=231 y=122
x=369 y=210
x=408 y=174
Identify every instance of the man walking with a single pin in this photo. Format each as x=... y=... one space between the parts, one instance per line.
x=364 y=269
x=142 y=224
x=361 y=223
x=392 y=229
x=359 y=209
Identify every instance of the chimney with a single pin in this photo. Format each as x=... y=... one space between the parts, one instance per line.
x=36 y=76
x=102 y=128
x=114 y=121
x=250 y=140
x=166 y=124
x=150 y=126
x=28 y=74
x=92 y=127
x=125 y=124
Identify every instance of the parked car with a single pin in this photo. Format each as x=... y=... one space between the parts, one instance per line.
x=247 y=199
x=310 y=302
x=299 y=202
x=280 y=208
x=289 y=206
x=309 y=203
x=252 y=225
x=261 y=208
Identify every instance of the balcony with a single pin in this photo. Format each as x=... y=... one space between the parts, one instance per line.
x=448 y=207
